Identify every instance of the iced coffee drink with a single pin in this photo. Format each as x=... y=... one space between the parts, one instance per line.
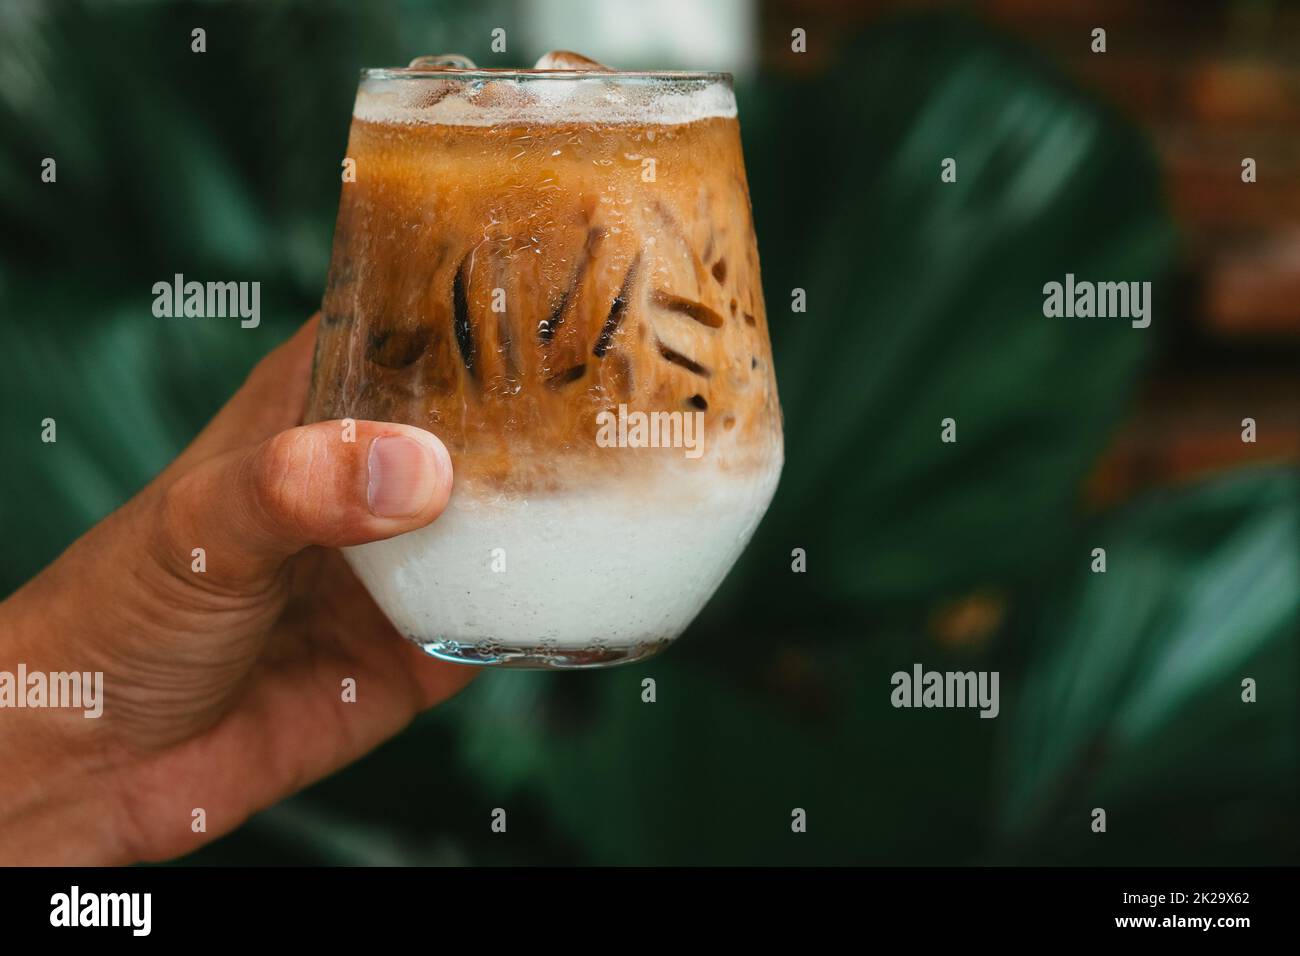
x=555 y=272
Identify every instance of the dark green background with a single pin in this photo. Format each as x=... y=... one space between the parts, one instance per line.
x=1118 y=690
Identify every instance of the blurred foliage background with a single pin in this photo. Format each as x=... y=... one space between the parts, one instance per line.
x=1120 y=690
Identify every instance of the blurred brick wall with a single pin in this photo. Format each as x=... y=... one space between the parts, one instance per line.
x=1211 y=82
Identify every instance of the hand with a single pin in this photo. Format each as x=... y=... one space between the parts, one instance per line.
x=223 y=689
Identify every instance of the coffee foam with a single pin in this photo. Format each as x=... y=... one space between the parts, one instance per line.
x=541 y=99
x=625 y=563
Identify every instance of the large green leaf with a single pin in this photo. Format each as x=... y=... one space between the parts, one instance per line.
x=925 y=302
x=126 y=391
x=711 y=772
x=1133 y=701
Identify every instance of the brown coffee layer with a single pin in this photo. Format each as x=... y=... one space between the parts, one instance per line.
x=503 y=286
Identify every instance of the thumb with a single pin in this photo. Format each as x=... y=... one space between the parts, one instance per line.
x=319 y=484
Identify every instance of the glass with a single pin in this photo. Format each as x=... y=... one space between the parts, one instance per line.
x=555 y=272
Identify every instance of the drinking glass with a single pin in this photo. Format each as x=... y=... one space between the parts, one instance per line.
x=555 y=272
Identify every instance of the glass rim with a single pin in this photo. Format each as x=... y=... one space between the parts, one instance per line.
x=446 y=73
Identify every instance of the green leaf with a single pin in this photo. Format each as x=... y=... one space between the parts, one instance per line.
x=127 y=392
x=925 y=303
x=711 y=771
x=1133 y=701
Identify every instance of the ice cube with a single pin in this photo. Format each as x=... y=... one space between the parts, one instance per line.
x=442 y=61
x=500 y=95
x=568 y=60
x=430 y=93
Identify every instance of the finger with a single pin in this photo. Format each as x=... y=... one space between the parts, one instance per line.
x=271 y=399
x=317 y=484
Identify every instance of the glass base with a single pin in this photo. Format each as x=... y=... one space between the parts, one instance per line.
x=539 y=657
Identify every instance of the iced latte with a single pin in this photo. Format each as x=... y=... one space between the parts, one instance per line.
x=555 y=272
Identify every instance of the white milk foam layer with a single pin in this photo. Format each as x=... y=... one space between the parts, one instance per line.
x=545 y=100
x=614 y=564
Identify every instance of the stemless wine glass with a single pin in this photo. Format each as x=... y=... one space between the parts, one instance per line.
x=555 y=272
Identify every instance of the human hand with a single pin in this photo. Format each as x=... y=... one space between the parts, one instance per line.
x=223 y=689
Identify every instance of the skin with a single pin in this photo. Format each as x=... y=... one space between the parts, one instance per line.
x=222 y=689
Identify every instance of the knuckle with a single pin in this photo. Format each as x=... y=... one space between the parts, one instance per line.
x=286 y=480
x=173 y=529
x=174 y=536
